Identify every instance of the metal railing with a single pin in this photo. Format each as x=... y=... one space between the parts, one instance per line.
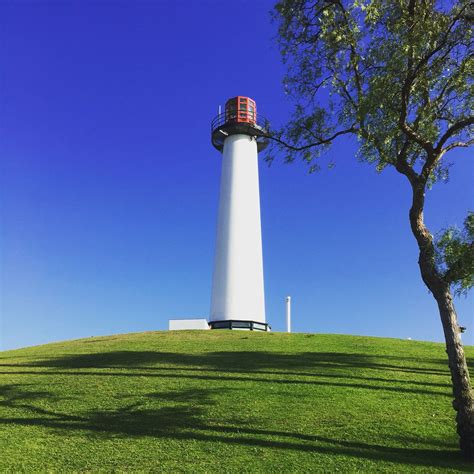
x=260 y=123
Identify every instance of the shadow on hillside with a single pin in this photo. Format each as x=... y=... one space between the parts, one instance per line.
x=248 y=360
x=184 y=415
x=309 y=368
x=243 y=360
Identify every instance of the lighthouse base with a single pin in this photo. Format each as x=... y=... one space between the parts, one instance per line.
x=241 y=325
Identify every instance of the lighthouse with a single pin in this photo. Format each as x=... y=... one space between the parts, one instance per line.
x=238 y=300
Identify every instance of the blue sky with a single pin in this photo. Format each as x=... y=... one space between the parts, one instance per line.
x=109 y=183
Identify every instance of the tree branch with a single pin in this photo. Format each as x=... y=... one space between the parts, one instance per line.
x=353 y=53
x=406 y=89
x=440 y=46
x=435 y=156
x=457 y=145
x=412 y=73
x=410 y=133
x=452 y=130
x=402 y=165
x=319 y=142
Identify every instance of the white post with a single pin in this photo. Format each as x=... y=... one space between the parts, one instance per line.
x=288 y=314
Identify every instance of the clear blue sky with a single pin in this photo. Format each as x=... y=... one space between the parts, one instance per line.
x=109 y=183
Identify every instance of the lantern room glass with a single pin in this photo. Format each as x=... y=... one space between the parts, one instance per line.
x=241 y=109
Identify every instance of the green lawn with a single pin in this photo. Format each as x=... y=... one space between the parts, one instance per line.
x=228 y=401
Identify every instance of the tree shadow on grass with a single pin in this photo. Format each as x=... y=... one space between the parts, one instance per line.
x=184 y=415
x=248 y=360
x=309 y=368
x=389 y=385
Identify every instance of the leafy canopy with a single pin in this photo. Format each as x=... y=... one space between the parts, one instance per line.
x=396 y=74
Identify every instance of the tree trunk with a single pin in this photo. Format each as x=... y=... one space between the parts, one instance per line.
x=463 y=395
x=463 y=399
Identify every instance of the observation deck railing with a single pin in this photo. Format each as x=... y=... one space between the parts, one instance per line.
x=226 y=124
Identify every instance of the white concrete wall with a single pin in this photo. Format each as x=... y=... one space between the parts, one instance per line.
x=237 y=288
x=177 y=324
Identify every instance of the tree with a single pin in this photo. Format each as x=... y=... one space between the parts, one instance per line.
x=397 y=74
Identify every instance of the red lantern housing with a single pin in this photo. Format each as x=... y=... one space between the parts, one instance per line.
x=239 y=117
x=241 y=109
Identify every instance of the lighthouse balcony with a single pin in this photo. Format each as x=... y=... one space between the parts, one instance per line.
x=239 y=122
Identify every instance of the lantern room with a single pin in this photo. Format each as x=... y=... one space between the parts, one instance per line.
x=239 y=117
x=241 y=109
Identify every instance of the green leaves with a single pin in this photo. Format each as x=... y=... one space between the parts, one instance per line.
x=455 y=255
x=398 y=72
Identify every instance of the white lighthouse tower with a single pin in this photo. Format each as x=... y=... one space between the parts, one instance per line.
x=238 y=300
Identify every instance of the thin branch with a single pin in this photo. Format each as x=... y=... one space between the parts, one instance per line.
x=409 y=132
x=410 y=78
x=353 y=53
x=440 y=46
x=347 y=94
x=319 y=142
x=435 y=156
x=458 y=126
x=318 y=86
x=457 y=145
x=405 y=93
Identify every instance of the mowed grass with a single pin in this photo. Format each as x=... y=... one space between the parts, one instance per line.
x=223 y=401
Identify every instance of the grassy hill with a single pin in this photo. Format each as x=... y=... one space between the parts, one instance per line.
x=222 y=401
